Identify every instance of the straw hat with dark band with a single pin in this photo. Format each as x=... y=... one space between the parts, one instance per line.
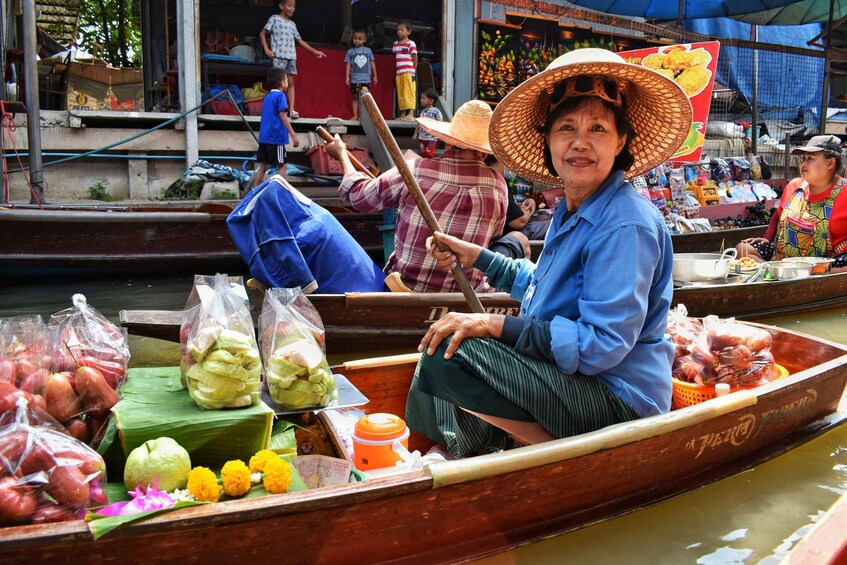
x=468 y=129
x=657 y=107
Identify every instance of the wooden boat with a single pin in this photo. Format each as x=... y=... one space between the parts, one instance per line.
x=381 y=321
x=826 y=543
x=458 y=510
x=354 y=322
x=140 y=240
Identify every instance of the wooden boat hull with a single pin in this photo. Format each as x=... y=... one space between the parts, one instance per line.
x=464 y=509
x=135 y=241
x=382 y=321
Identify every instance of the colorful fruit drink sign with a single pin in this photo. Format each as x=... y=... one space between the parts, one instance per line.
x=692 y=66
x=497 y=74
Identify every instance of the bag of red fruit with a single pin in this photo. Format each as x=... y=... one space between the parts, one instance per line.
x=25 y=358
x=727 y=351
x=45 y=475
x=83 y=337
x=90 y=357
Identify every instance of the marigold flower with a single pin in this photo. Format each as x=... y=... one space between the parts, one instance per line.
x=235 y=477
x=277 y=477
x=203 y=485
x=257 y=462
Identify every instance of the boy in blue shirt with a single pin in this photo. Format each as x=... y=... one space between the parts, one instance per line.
x=360 y=66
x=274 y=129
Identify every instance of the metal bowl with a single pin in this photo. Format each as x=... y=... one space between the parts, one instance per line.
x=786 y=271
x=820 y=265
x=699 y=267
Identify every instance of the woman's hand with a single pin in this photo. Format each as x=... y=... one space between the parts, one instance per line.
x=460 y=326
x=459 y=252
x=528 y=206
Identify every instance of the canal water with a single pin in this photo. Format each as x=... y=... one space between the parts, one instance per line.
x=752 y=517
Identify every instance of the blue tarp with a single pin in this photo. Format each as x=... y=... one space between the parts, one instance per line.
x=789 y=85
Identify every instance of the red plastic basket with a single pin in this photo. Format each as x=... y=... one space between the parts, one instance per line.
x=254 y=106
x=323 y=164
x=224 y=108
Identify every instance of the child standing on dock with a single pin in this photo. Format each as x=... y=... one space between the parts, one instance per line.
x=361 y=65
x=428 y=110
x=406 y=57
x=274 y=130
x=282 y=50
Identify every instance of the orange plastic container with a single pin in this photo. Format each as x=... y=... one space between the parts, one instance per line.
x=372 y=440
x=688 y=394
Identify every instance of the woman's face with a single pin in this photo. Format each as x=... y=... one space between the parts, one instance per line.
x=583 y=145
x=816 y=168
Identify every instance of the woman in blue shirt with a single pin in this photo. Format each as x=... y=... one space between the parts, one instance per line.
x=588 y=349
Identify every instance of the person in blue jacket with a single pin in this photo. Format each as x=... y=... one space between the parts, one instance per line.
x=588 y=349
x=289 y=241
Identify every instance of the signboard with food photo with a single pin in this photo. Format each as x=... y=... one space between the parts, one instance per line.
x=692 y=66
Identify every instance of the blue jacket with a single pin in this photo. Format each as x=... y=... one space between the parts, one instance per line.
x=597 y=301
x=287 y=241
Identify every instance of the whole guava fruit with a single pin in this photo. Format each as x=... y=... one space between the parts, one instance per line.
x=161 y=459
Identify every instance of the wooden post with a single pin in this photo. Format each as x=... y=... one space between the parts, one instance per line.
x=417 y=194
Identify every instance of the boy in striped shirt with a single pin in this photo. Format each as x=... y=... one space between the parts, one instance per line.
x=406 y=58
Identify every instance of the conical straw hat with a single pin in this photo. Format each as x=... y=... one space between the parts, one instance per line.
x=658 y=109
x=469 y=128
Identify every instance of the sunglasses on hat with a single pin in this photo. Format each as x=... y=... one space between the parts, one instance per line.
x=586 y=85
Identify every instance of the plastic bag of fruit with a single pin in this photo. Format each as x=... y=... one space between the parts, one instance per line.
x=25 y=358
x=45 y=475
x=90 y=357
x=727 y=351
x=292 y=344
x=221 y=366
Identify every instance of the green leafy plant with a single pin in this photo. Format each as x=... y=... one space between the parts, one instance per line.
x=100 y=190
x=182 y=189
x=224 y=195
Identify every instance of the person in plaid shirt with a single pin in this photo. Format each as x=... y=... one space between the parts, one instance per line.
x=469 y=200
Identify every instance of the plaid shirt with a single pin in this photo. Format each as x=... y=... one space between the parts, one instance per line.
x=469 y=201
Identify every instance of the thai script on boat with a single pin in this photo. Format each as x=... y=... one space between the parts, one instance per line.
x=749 y=425
x=735 y=435
x=800 y=405
x=437 y=312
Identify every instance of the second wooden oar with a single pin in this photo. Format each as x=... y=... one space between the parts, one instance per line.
x=417 y=194
x=326 y=136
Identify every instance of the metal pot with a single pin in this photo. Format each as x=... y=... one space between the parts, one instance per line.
x=786 y=271
x=820 y=265
x=697 y=267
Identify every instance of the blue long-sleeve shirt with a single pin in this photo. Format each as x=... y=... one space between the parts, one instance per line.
x=598 y=299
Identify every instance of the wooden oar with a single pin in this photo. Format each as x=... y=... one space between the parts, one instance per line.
x=326 y=136
x=417 y=194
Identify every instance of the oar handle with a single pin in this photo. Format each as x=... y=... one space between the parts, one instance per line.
x=417 y=194
x=326 y=136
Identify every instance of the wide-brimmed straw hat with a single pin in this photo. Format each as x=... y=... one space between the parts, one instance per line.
x=658 y=109
x=829 y=143
x=468 y=129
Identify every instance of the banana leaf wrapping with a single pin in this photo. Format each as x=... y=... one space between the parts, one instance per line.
x=292 y=344
x=221 y=367
x=155 y=405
